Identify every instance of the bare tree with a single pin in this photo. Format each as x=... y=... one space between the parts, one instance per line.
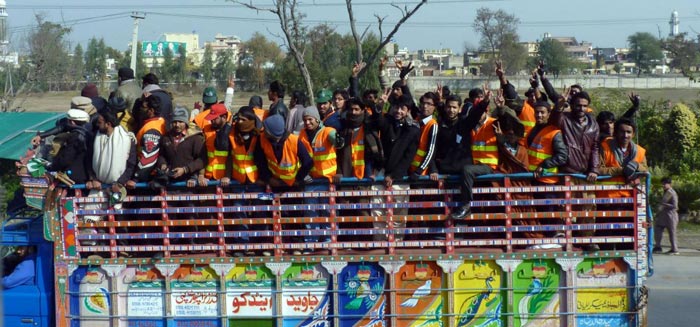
x=290 y=22
x=406 y=13
x=495 y=27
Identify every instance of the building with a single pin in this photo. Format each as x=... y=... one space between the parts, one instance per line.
x=581 y=51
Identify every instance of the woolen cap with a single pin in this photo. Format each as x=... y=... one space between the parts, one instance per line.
x=90 y=91
x=125 y=73
x=216 y=111
x=274 y=125
x=181 y=114
x=78 y=115
x=311 y=111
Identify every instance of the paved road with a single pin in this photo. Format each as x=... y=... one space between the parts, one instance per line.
x=674 y=290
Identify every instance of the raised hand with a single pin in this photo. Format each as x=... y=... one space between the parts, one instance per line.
x=635 y=99
x=385 y=96
x=533 y=80
x=540 y=69
x=499 y=68
x=398 y=63
x=487 y=92
x=382 y=62
x=231 y=82
x=500 y=100
x=497 y=128
x=438 y=90
x=405 y=70
x=357 y=67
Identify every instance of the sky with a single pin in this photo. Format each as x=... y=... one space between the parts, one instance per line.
x=438 y=24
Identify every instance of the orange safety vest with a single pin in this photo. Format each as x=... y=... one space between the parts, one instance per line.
x=243 y=164
x=216 y=159
x=202 y=122
x=423 y=146
x=484 y=145
x=287 y=168
x=540 y=150
x=157 y=123
x=609 y=160
x=527 y=117
x=322 y=151
x=261 y=113
x=357 y=153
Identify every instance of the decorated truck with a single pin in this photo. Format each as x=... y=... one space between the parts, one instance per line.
x=225 y=256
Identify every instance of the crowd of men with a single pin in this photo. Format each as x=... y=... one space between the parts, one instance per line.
x=139 y=135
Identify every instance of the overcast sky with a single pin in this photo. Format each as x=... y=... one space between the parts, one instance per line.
x=439 y=23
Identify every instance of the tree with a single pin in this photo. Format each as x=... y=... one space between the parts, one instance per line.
x=368 y=52
x=96 y=60
x=48 y=55
x=225 y=66
x=290 y=20
x=141 y=68
x=257 y=57
x=685 y=54
x=495 y=28
x=207 y=66
x=513 y=53
x=682 y=131
x=180 y=69
x=167 y=67
x=554 y=55
x=77 y=68
x=645 y=51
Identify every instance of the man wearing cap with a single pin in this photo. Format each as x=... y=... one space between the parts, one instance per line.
x=217 y=158
x=183 y=153
x=90 y=91
x=148 y=140
x=130 y=91
x=151 y=87
x=667 y=218
x=209 y=98
x=73 y=156
x=276 y=95
x=321 y=142
x=324 y=104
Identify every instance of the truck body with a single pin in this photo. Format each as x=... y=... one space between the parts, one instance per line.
x=194 y=256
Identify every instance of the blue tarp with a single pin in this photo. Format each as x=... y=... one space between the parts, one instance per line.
x=18 y=128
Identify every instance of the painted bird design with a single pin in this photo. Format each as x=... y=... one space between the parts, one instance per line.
x=532 y=290
x=420 y=292
x=474 y=302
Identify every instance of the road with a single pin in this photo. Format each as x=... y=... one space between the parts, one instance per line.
x=674 y=290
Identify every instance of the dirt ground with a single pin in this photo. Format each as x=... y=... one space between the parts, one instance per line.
x=60 y=101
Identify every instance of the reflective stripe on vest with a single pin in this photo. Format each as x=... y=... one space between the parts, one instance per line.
x=527 y=117
x=609 y=160
x=484 y=146
x=540 y=150
x=153 y=123
x=216 y=159
x=288 y=167
x=423 y=146
x=358 y=153
x=243 y=164
x=322 y=151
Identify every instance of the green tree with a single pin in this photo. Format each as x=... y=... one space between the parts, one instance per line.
x=685 y=54
x=96 y=60
x=645 y=51
x=180 y=70
x=141 y=68
x=682 y=131
x=49 y=62
x=167 y=67
x=257 y=57
x=77 y=64
x=225 y=66
x=554 y=56
x=207 y=66
x=513 y=54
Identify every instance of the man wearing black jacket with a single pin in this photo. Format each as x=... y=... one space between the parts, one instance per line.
x=399 y=138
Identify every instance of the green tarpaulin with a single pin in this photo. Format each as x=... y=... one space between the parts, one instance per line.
x=18 y=128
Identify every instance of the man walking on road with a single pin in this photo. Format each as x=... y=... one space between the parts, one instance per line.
x=667 y=217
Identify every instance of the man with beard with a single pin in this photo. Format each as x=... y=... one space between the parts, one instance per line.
x=148 y=140
x=72 y=155
x=183 y=153
x=399 y=138
x=243 y=141
x=216 y=157
x=276 y=95
x=114 y=156
x=621 y=158
x=580 y=132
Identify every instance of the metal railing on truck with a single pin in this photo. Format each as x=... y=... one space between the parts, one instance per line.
x=159 y=254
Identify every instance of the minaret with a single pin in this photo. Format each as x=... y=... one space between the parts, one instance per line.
x=4 y=39
x=673 y=24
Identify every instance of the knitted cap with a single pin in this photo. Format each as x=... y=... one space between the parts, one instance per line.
x=274 y=125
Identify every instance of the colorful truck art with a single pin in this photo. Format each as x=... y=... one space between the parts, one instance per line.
x=361 y=299
x=306 y=297
x=602 y=290
x=536 y=298
x=419 y=299
x=478 y=297
x=250 y=297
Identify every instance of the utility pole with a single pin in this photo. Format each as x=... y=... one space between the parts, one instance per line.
x=134 y=38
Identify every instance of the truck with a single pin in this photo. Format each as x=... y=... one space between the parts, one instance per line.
x=178 y=256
